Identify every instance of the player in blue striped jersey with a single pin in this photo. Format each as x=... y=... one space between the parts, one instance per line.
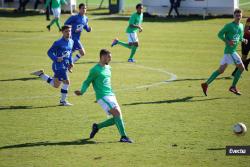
x=78 y=23
x=61 y=55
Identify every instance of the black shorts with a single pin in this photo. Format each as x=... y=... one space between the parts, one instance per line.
x=245 y=48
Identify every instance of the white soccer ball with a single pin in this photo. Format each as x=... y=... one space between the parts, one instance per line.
x=240 y=129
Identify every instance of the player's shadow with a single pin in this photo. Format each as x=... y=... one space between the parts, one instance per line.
x=179 y=100
x=216 y=149
x=199 y=79
x=19 y=79
x=95 y=62
x=22 y=31
x=48 y=143
x=150 y=18
x=23 y=107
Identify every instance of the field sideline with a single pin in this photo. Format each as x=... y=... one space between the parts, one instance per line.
x=164 y=110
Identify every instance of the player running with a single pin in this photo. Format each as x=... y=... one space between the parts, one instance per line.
x=100 y=77
x=61 y=55
x=56 y=9
x=135 y=22
x=245 y=48
x=231 y=34
x=78 y=23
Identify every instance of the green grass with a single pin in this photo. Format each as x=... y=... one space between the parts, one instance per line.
x=172 y=123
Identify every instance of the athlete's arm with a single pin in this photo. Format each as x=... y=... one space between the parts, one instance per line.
x=86 y=83
x=221 y=35
x=87 y=27
x=51 y=53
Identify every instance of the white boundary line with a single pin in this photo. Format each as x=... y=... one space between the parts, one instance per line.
x=172 y=78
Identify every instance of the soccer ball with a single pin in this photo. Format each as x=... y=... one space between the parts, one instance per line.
x=240 y=129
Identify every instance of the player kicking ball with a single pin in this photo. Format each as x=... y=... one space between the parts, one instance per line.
x=61 y=55
x=100 y=77
x=231 y=35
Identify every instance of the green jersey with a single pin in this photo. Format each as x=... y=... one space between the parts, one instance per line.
x=231 y=32
x=135 y=19
x=100 y=77
x=55 y=3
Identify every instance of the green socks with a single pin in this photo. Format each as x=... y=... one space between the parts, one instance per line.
x=118 y=121
x=108 y=122
x=57 y=23
x=120 y=125
x=52 y=22
x=126 y=45
x=213 y=77
x=133 y=50
x=236 y=77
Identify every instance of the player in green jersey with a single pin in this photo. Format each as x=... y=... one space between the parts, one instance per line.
x=231 y=34
x=134 y=26
x=56 y=9
x=100 y=77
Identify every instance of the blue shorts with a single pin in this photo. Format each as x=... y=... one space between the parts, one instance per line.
x=61 y=74
x=77 y=45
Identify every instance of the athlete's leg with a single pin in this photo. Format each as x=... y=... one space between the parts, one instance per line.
x=78 y=46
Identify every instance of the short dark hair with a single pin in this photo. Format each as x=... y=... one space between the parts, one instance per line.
x=237 y=11
x=65 y=27
x=138 y=5
x=104 y=52
x=81 y=5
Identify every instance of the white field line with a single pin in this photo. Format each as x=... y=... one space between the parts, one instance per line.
x=155 y=84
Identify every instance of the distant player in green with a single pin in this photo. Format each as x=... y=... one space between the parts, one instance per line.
x=56 y=9
x=135 y=22
x=231 y=34
x=100 y=77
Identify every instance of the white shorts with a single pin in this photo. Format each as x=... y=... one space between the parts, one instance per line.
x=132 y=37
x=233 y=58
x=56 y=12
x=107 y=103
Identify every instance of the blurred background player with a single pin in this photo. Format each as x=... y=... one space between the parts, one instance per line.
x=48 y=8
x=56 y=9
x=135 y=22
x=78 y=23
x=245 y=47
x=61 y=55
x=174 y=4
x=231 y=34
x=100 y=77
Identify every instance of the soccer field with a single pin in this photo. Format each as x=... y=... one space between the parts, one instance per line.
x=165 y=112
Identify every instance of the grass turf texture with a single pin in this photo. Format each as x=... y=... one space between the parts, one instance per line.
x=172 y=124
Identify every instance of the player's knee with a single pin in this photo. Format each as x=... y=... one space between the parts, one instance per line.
x=221 y=71
x=115 y=112
x=241 y=68
x=56 y=85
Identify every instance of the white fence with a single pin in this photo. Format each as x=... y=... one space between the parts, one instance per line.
x=189 y=7
x=70 y=7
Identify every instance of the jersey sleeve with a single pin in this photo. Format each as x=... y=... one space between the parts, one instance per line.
x=242 y=34
x=86 y=26
x=132 y=19
x=69 y=21
x=92 y=75
x=222 y=32
x=51 y=52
